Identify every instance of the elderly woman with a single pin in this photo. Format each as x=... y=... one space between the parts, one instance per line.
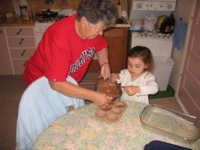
x=59 y=62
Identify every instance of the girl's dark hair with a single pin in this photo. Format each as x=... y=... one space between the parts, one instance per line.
x=144 y=53
x=96 y=11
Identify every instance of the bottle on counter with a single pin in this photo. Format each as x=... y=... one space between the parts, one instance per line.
x=26 y=17
x=119 y=9
x=24 y=12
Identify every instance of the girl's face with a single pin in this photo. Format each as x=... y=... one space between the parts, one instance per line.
x=136 y=66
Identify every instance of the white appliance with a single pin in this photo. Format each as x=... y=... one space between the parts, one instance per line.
x=142 y=8
x=160 y=45
x=41 y=26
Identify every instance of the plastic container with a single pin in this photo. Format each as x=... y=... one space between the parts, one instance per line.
x=170 y=122
x=149 y=23
x=162 y=71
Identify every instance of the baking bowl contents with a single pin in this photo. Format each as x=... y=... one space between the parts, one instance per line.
x=114 y=113
x=106 y=86
x=109 y=83
x=111 y=117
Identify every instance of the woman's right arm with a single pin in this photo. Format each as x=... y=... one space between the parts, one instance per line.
x=72 y=90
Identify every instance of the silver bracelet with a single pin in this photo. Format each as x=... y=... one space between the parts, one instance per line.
x=104 y=64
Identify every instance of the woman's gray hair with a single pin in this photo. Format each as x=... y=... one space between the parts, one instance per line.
x=96 y=11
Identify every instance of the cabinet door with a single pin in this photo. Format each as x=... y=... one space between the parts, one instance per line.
x=117 y=39
x=117 y=50
x=5 y=63
x=19 y=65
x=21 y=42
x=19 y=31
x=22 y=52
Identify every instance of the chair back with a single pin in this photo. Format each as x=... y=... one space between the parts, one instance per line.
x=39 y=107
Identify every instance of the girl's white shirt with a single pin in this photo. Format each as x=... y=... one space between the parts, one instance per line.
x=146 y=82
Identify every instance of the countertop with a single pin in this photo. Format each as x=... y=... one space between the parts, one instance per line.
x=6 y=22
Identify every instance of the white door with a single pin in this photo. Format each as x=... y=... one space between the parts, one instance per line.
x=189 y=92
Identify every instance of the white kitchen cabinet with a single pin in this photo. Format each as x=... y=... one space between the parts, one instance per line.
x=21 y=46
x=5 y=62
x=21 y=42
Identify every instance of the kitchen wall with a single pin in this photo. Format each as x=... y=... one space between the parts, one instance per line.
x=38 y=5
x=6 y=6
x=184 y=10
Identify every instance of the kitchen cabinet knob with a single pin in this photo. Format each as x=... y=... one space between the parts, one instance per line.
x=25 y=63
x=21 y=41
x=19 y=31
x=23 y=52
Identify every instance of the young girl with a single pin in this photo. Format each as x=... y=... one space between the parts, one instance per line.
x=137 y=82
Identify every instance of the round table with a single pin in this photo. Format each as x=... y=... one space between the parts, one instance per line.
x=80 y=130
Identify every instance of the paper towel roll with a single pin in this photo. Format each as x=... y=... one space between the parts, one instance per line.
x=16 y=7
x=23 y=3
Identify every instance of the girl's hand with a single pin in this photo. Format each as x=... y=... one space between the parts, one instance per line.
x=131 y=90
x=115 y=77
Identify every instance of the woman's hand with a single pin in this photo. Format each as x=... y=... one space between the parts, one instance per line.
x=102 y=56
x=105 y=70
x=101 y=99
x=131 y=90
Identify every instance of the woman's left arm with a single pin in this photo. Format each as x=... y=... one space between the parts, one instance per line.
x=104 y=62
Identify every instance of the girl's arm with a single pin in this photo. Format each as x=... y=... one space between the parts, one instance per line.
x=148 y=85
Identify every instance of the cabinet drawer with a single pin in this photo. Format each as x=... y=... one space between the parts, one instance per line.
x=19 y=65
x=118 y=32
x=22 y=53
x=21 y=42
x=19 y=31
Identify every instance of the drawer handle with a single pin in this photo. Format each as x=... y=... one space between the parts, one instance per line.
x=21 y=41
x=19 y=31
x=1 y=31
x=23 y=52
x=25 y=63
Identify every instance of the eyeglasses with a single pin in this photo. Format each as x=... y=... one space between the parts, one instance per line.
x=97 y=30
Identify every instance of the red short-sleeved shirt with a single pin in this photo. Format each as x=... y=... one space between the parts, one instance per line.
x=61 y=52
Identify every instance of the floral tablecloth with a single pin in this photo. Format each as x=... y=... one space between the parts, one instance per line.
x=80 y=130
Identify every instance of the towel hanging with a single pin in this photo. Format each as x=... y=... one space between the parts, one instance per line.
x=180 y=32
